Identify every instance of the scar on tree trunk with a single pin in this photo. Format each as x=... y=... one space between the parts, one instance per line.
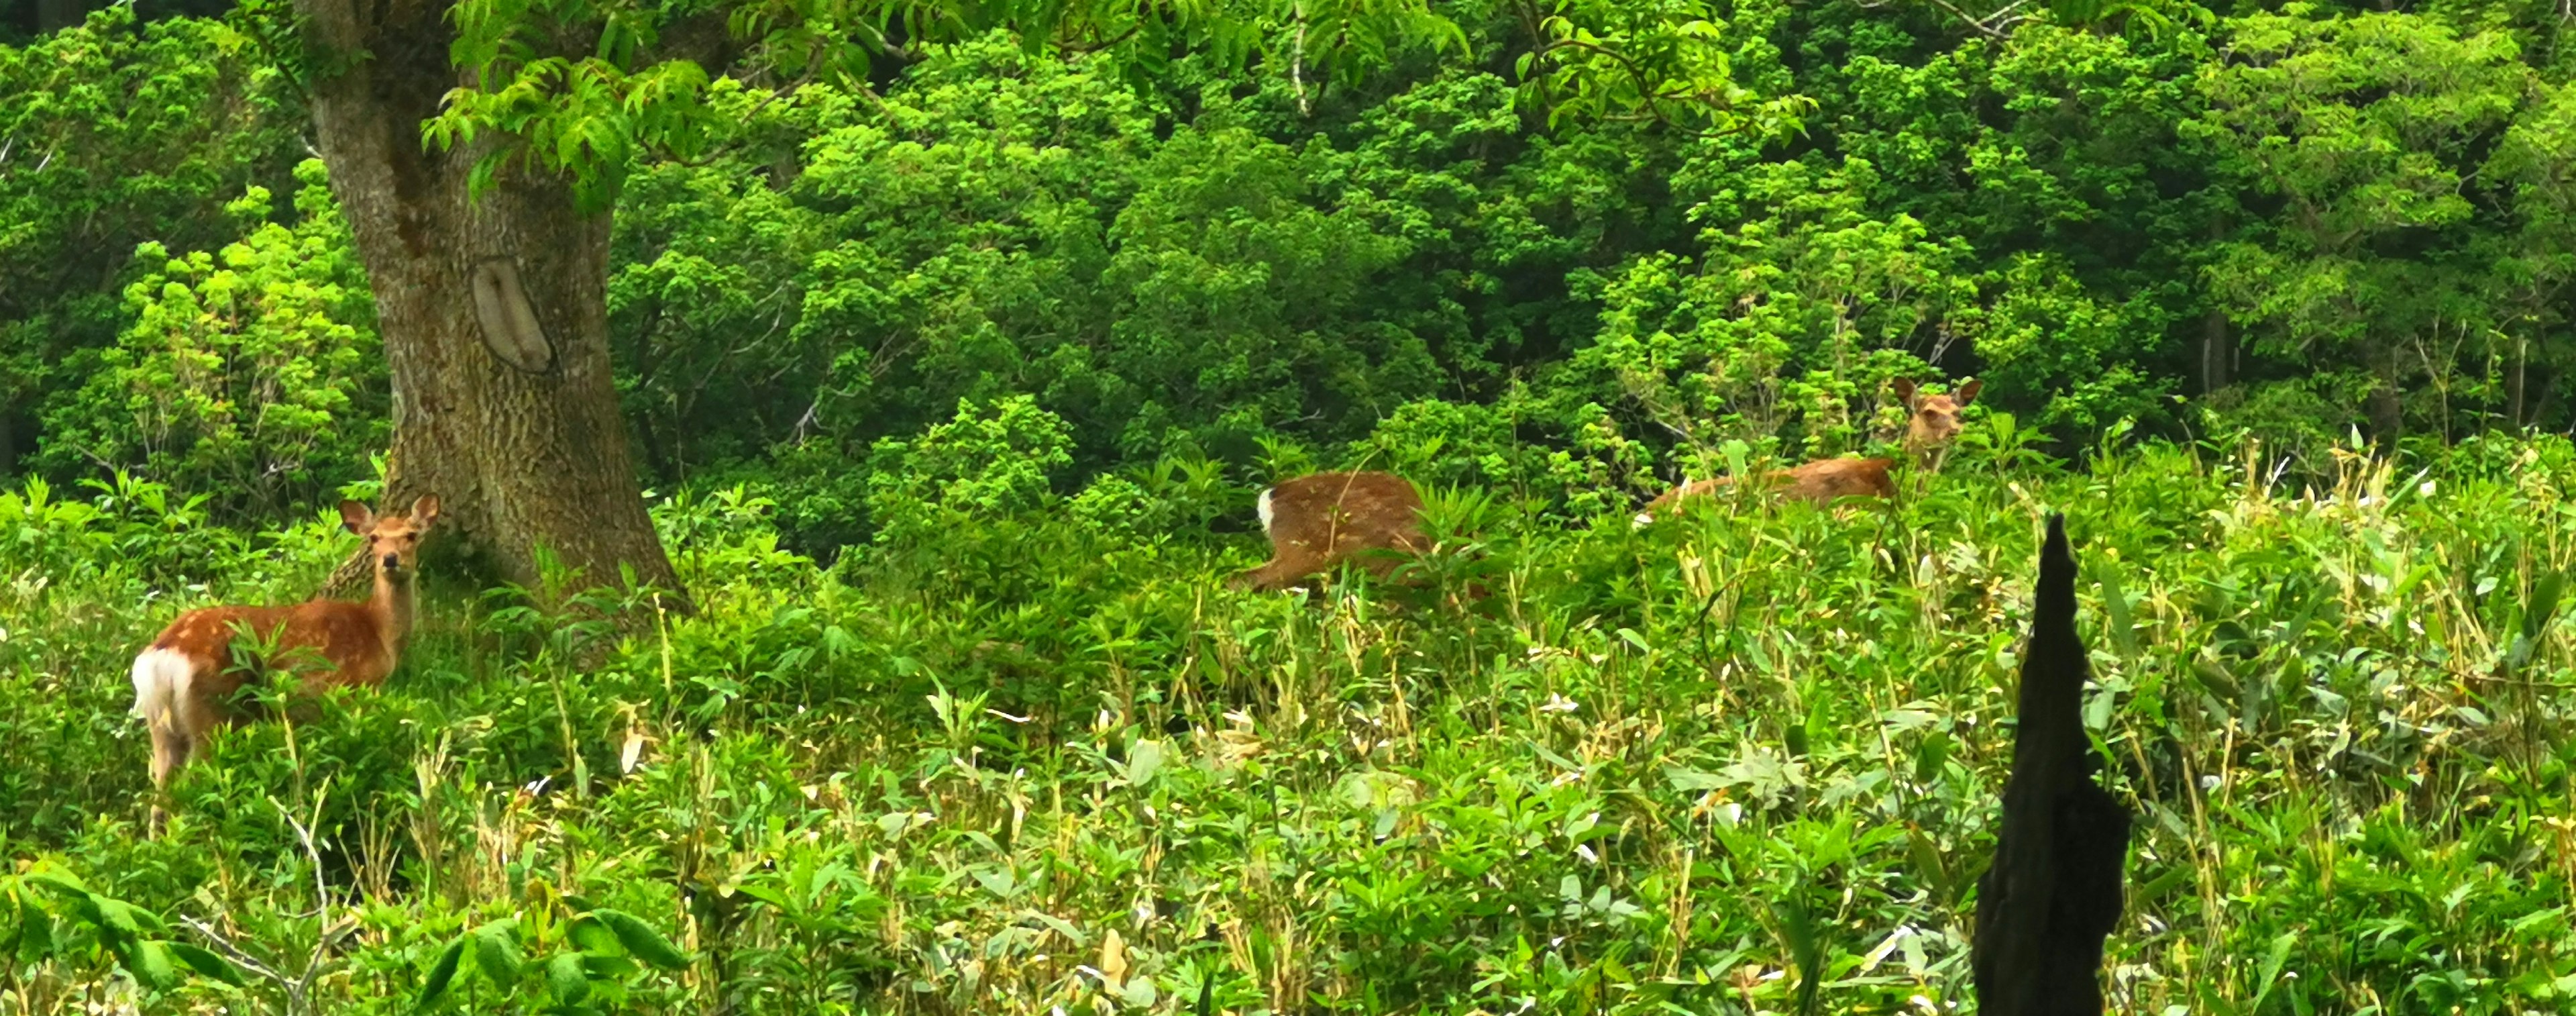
x=2053 y=892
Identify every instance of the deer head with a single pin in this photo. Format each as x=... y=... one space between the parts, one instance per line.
x=1932 y=421
x=393 y=541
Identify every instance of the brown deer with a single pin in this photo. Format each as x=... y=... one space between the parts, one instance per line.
x=1932 y=421
x=1318 y=521
x=185 y=681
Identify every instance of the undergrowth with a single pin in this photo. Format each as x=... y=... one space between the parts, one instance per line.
x=1746 y=761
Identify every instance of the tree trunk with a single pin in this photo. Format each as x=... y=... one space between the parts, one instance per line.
x=2513 y=385
x=2053 y=891
x=2216 y=353
x=2387 y=411
x=55 y=15
x=493 y=312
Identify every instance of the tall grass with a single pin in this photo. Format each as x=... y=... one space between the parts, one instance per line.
x=1742 y=762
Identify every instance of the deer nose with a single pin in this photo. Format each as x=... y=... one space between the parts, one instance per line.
x=392 y=561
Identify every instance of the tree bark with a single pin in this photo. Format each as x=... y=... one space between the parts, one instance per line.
x=493 y=313
x=2216 y=353
x=2053 y=891
x=55 y=15
x=2513 y=385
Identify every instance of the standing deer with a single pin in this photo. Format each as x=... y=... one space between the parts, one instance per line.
x=184 y=683
x=1932 y=421
x=1318 y=521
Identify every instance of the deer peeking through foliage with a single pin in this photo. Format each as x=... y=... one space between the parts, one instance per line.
x=1931 y=423
x=185 y=681
x=1316 y=522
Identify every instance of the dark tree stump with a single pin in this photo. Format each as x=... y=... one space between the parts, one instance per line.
x=2053 y=891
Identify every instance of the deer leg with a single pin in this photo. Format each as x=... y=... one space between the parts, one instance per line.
x=170 y=750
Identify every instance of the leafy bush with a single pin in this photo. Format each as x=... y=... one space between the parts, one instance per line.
x=988 y=462
x=255 y=373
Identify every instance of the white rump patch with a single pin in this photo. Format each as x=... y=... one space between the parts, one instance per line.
x=1263 y=506
x=1643 y=520
x=161 y=679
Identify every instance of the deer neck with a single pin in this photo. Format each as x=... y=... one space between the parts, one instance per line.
x=392 y=608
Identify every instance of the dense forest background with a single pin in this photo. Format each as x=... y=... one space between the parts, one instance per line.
x=2293 y=221
x=953 y=385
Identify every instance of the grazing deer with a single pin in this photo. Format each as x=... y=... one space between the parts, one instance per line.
x=184 y=683
x=1932 y=421
x=1318 y=521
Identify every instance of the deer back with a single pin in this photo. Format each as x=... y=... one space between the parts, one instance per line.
x=1316 y=522
x=1827 y=480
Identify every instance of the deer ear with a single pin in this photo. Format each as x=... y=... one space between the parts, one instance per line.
x=424 y=511
x=1967 y=392
x=1904 y=391
x=356 y=518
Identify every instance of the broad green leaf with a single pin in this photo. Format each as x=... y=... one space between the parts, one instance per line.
x=640 y=938
x=441 y=974
x=566 y=979
x=593 y=935
x=35 y=933
x=150 y=962
x=206 y=963
x=496 y=950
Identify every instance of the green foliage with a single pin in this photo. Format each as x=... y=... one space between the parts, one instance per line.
x=988 y=462
x=1728 y=765
x=114 y=134
x=599 y=947
x=2374 y=134
x=1022 y=325
x=584 y=115
x=53 y=923
x=1674 y=62
x=255 y=372
x=1791 y=316
x=1002 y=225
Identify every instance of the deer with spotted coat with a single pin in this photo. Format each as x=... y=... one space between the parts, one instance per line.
x=1932 y=422
x=1318 y=521
x=185 y=682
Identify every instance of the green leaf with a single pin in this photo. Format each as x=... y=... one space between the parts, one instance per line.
x=122 y=918
x=2115 y=604
x=496 y=950
x=2156 y=887
x=1139 y=993
x=2544 y=604
x=35 y=933
x=69 y=887
x=566 y=979
x=608 y=968
x=441 y=974
x=768 y=895
x=149 y=962
x=1693 y=781
x=640 y=938
x=206 y=963
x=2273 y=958
x=594 y=936
x=1144 y=761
